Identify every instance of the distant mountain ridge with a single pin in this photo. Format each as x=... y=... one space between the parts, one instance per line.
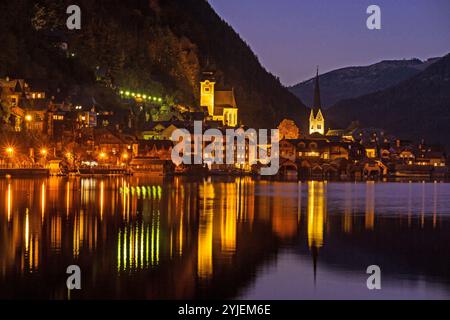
x=417 y=108
x=352 y=82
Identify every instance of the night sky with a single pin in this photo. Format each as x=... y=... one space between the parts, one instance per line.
x=291 y=37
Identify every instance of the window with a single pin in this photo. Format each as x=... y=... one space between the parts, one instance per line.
x=319 y=126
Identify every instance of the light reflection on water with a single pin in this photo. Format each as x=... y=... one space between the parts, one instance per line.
x=227 y=238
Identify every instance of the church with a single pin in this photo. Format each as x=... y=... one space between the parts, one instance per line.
x=316 y=119
x=219 y=104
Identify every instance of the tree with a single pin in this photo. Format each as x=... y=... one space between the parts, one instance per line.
x=5 y=110
x=288 y=129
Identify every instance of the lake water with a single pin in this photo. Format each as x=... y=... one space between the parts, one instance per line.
x=237 y=238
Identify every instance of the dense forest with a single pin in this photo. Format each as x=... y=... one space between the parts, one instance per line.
x=155 y=46
x=417 y=108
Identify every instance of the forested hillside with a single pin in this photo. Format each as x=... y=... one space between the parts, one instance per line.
x=154 y=46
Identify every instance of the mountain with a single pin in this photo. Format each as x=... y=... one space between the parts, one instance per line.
x=155 y=46
x=417 y=108
x=351 y=82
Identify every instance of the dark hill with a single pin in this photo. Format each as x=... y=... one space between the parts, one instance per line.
x=416 y=108
x=352 y=82
x=156 y=46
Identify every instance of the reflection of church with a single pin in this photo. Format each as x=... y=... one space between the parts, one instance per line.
x=220 y=104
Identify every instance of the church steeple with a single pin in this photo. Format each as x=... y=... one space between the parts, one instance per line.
x=316 y=119
x=317 y=105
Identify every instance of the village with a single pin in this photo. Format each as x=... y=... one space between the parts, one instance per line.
x=44 y=135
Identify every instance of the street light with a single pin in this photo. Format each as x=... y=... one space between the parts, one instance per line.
x=28 y=118
x=10 y=151
x=44 y=152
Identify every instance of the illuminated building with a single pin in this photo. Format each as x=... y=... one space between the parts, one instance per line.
x=220 y=105
x=316 y=119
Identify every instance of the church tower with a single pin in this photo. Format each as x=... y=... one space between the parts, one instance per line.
x=316 y=119
x=207 y=92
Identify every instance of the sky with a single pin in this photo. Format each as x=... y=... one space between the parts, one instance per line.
x=292 y=37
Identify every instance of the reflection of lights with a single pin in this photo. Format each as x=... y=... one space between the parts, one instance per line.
x=119 y=250
x=55 y=232
x=180 y=235
x=102 y=200
x=67 y=197
x=31 y=245
x=76 y=236
x=43 y=200
x=154 y=245
x=9 y=201
x=27 y=230
x=316 y=213
x=348 y=211
x=137 y=245
x=370 y=205
x=229 y=219
x=205 y=234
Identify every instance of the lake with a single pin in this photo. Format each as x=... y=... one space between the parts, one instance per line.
x=227 y=238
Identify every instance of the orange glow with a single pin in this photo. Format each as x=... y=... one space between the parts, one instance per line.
x=43 y=200
x=10 y=151
x=9 y=201
x=370 y=205
x=316 y=213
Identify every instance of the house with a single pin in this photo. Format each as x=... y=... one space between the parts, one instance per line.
x=155 y=149
x=111 y=147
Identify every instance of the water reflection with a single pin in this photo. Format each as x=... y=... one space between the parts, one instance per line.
x=316 y=213
x=154 y=238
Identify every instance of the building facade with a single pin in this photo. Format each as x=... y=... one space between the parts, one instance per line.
x=220 y=104
x=316 y=118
